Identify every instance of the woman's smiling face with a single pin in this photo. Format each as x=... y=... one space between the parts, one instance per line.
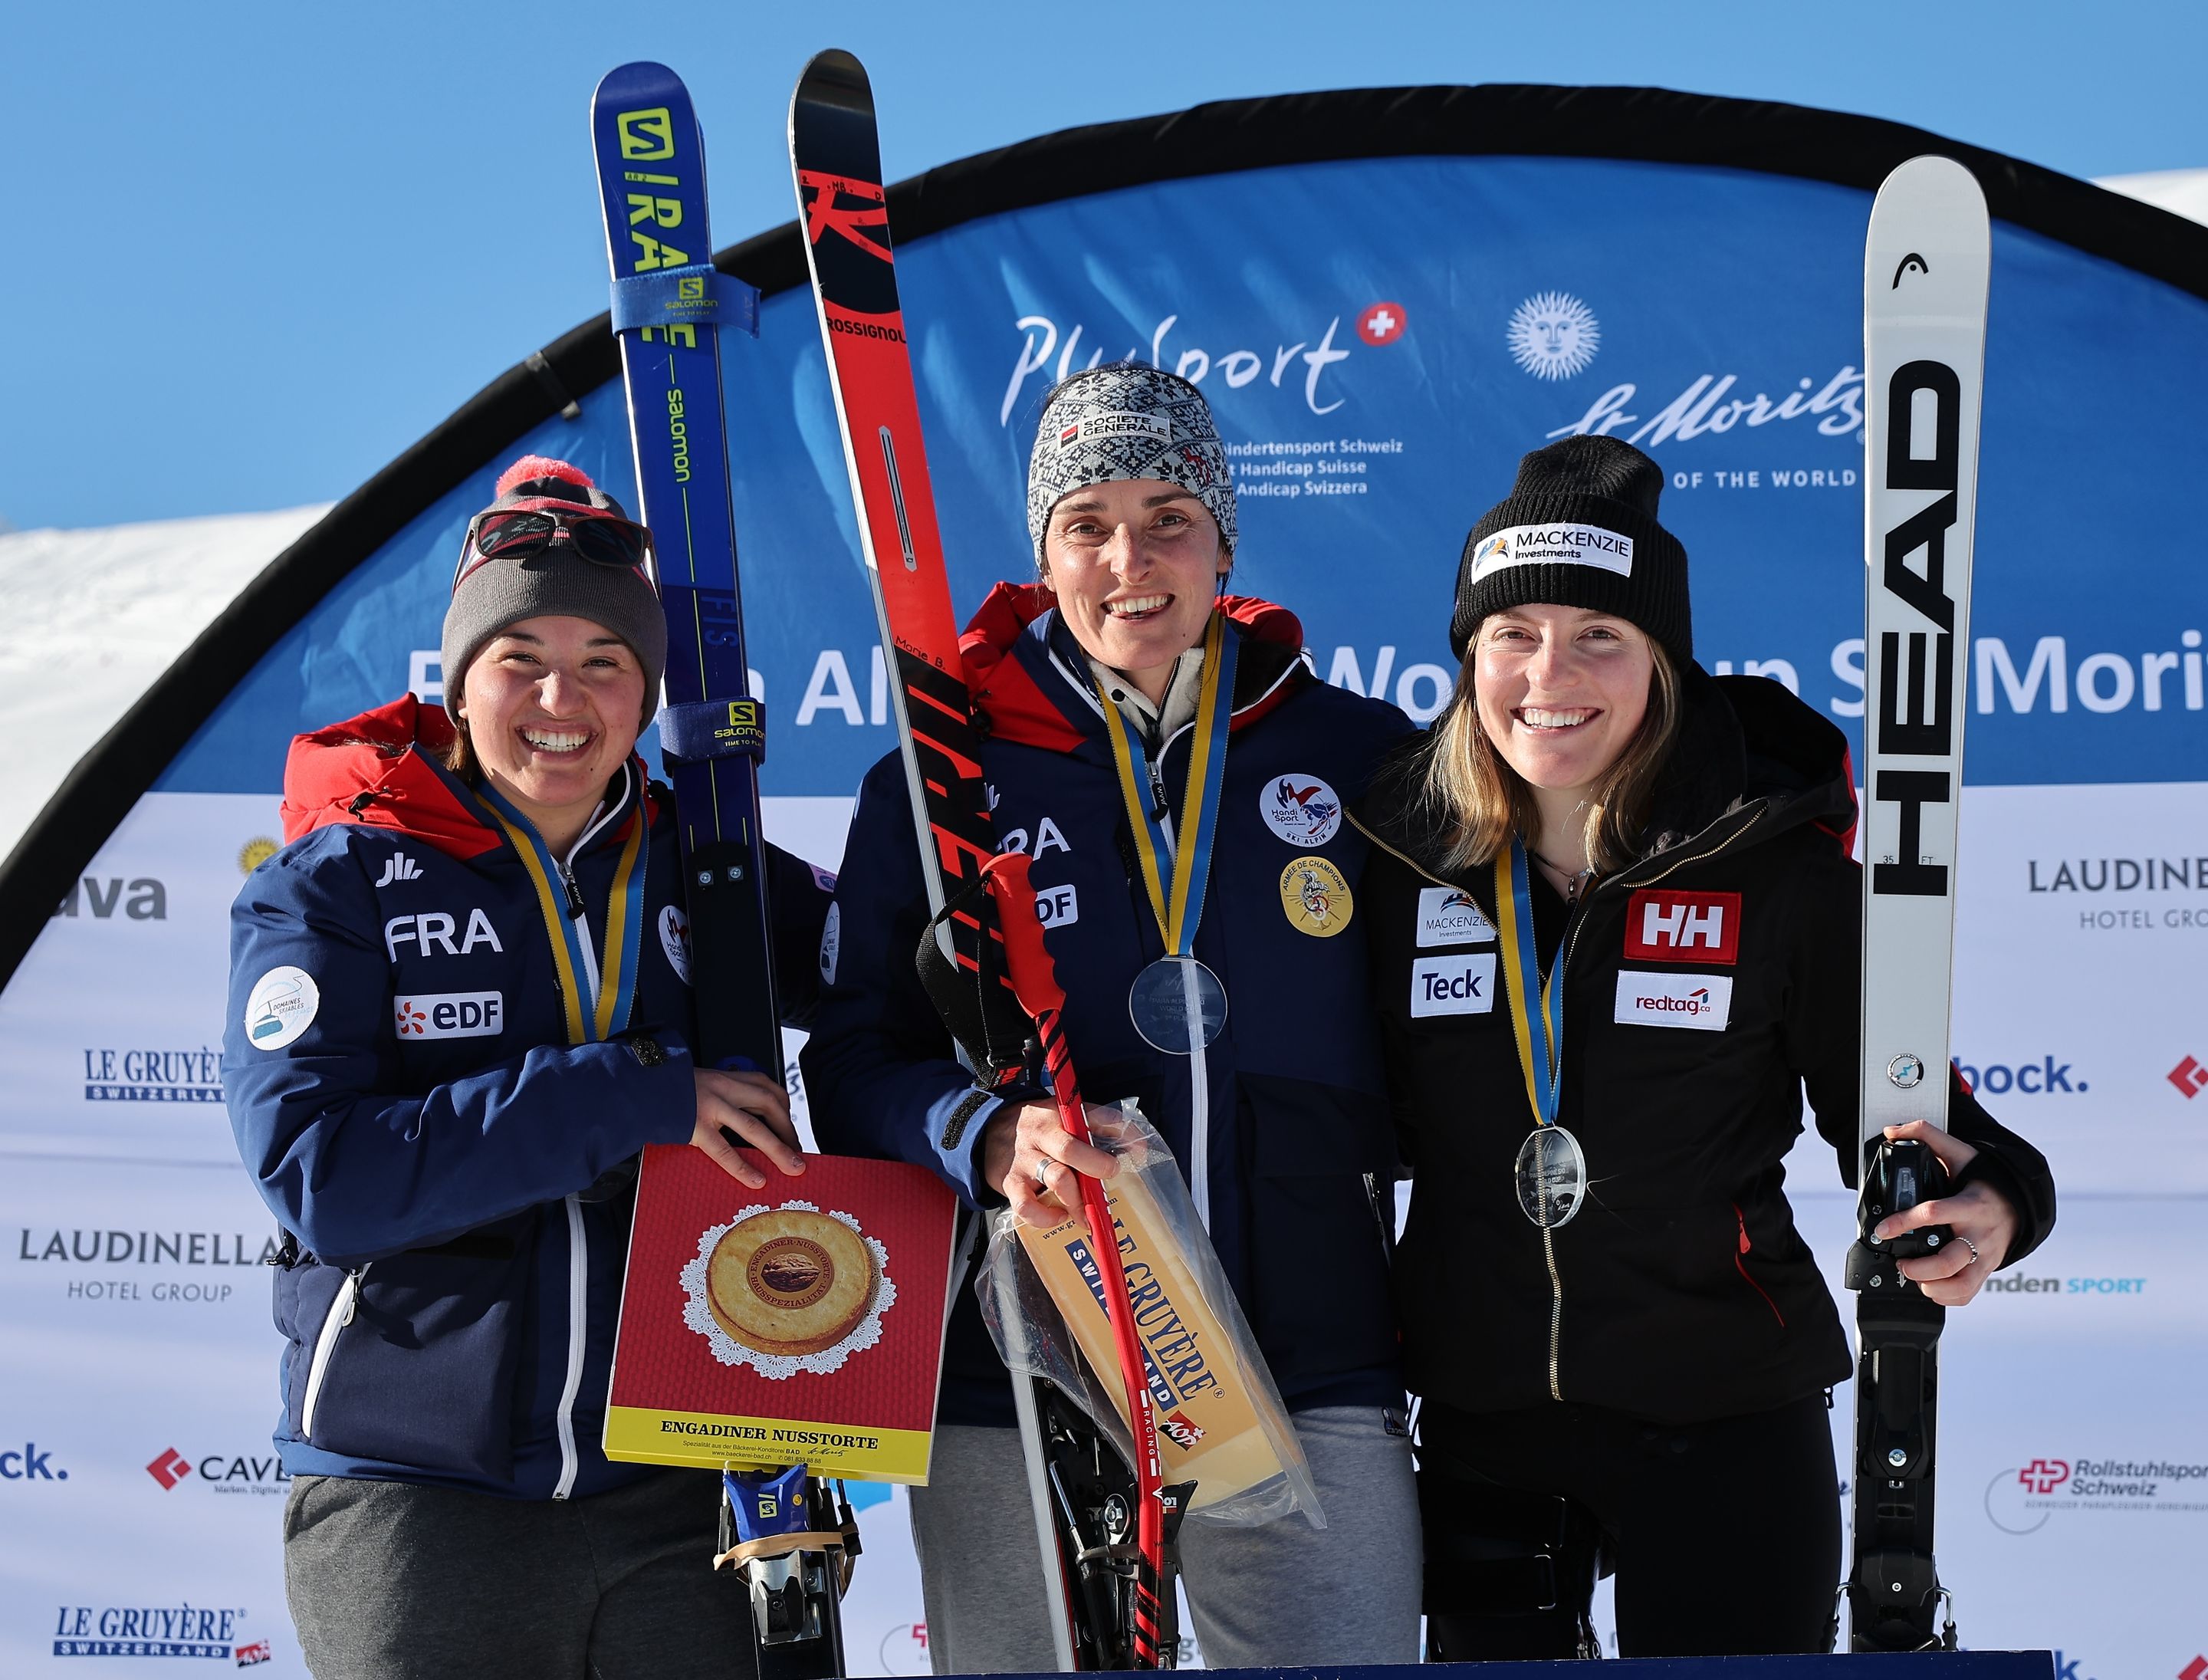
x=1561 y=691
x=1135 y=564
x=553 y=706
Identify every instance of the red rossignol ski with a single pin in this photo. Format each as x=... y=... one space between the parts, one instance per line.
x=1110 y=1611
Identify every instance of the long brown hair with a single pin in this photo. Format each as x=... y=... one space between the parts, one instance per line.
x=1469 y=790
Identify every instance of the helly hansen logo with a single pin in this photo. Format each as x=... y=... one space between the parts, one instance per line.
x=399 y=867
x=1453 y=985
x=1683 y=926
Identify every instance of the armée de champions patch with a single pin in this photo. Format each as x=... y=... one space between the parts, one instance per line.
x=1315 y=896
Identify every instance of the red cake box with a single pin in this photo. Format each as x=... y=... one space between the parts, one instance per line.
x=799 y=1323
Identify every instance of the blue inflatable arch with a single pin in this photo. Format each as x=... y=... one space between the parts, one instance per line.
x=1390 y=294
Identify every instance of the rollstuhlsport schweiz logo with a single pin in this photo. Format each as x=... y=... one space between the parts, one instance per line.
x=2022 y=1499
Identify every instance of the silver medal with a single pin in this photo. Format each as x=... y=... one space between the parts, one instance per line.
x=1177 y=1003
x=1551 y=1177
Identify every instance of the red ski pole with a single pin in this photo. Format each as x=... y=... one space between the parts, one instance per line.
x=1035 y=981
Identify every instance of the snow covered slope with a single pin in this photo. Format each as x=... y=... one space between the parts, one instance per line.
x=93 y=616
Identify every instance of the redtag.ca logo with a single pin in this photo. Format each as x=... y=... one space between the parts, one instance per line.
x=2044 y=1475
x=170 y=1468
x=1683 y=926
x=2190 y=1077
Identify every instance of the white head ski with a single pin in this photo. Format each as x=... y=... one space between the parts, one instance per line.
x=1925 y=269
x=1924 y=330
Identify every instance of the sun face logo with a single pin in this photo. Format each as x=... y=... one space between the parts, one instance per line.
x=1552 y=335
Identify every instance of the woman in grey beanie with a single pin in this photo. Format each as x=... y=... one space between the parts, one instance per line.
x=1145 y=726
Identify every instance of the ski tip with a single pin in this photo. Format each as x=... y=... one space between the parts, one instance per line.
x=641 y=77
x=1936 y=180
x=836 y=77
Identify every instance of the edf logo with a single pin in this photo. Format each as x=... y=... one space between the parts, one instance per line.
x=30 y=1465
x=2044 y=1475
x=1683 y=926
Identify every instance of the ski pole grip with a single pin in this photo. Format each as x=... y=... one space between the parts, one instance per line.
x=1034 y=974
x=1027 y=958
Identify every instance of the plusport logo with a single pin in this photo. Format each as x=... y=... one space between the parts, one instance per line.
x=1553 y=335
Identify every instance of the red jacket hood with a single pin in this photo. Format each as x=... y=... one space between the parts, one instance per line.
x=377 y=770
x=1018 y=710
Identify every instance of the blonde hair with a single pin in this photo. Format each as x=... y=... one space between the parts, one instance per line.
x=1467 y=790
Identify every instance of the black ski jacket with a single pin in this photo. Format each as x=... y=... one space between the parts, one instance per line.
x=1706 y=986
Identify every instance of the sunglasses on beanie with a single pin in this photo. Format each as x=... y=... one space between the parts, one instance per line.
x=516 y=533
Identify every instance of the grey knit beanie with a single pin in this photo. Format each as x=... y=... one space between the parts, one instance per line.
x=1127 y=421
x=554 y=580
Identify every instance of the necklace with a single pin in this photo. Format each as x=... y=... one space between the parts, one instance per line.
x=1575 y=882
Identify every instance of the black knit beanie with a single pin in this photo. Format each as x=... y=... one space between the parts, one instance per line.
x=1579 y=529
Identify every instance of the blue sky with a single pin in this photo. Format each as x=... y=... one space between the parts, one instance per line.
x=259 y=250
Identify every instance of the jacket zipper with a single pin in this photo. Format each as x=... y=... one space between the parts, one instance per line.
x=326 y=1343
x=578 y=1324
x=579 y=1257
x=1740 y=1264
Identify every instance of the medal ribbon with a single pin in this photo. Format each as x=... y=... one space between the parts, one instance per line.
x=1176 y=877
x=609 y=1007
x=1538 y=1027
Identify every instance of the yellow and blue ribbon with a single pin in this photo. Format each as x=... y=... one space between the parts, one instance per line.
x=1177 y=878
x=1537 y=1012
x=592 y=1016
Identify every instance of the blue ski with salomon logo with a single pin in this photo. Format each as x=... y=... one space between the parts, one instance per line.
x=788 y=1538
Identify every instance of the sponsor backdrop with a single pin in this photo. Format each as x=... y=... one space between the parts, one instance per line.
x=1382 y=338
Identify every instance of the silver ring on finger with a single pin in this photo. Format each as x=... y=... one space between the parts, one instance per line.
x=1970 y=1245
x=1042 y=1176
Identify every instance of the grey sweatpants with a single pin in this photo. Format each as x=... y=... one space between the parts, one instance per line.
x=389 y=1581
x=1285 y=1595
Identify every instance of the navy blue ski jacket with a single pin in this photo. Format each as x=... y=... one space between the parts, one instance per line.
x=1299 y=1149
x=450 y=1172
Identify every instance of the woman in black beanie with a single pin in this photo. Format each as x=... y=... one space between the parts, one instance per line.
x=1613 y=904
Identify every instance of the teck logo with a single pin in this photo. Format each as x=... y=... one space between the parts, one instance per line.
x=2189 y=1077
x=1675 y=926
